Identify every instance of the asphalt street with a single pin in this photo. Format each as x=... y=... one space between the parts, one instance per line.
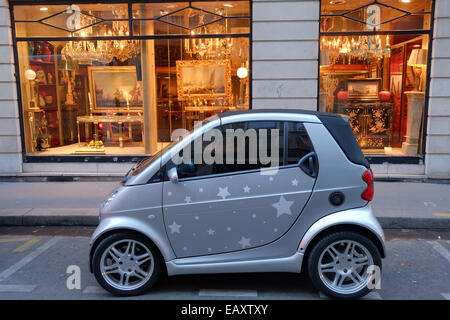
x=34 y=264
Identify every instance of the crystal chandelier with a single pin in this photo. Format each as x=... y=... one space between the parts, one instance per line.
x=361 y=48
x=102 y=51
x=211 y=48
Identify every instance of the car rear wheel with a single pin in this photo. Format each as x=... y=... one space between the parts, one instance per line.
x=126 y=264
x=342 y=265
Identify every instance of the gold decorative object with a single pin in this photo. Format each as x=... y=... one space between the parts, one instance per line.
x=30 y=75
x=418 y=60
x=330 y=84
x=371 y=122
x=205 y=79
x=69 y=78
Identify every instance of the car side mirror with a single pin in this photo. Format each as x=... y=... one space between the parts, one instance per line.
x=173 y=175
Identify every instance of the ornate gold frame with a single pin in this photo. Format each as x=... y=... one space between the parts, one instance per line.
x=91 y=79
x=227 y=95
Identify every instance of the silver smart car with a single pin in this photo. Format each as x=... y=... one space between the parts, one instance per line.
x=179 y=213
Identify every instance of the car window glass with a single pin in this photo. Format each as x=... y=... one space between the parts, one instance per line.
x=254 y=157
x=194 y=164
x=299 y=143
x=243 y=149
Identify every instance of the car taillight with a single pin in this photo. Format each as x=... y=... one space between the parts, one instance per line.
x=368 y=178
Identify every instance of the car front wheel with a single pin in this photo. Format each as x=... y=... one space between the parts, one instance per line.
x=126 y=264
x=343 y=264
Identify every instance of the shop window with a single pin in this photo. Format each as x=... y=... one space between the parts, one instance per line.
x=71 y=20
x=90 y=84
x=192 y=18
x=373 y=69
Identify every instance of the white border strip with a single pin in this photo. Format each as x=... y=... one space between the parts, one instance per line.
x=439 y=248
x=27 y=259
x=227 y=293
x=93 y=290
x=16 y=288
x=373 y=295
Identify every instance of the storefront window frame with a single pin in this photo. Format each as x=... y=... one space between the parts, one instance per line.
x=380 y=159
x=27 y=158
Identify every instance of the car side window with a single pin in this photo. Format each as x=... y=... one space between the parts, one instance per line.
x=193 y=164
x=298 y=144
x=249 y=147
x=250 y=144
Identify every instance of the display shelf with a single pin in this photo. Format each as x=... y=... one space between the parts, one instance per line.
x=45 y=68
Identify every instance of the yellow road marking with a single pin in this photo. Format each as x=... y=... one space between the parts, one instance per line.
x=14 y=240
x=447 y=215
x=27 y=244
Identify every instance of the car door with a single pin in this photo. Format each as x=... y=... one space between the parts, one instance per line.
x=223 y=208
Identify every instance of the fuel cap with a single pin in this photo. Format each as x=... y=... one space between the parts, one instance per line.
x=336 y=198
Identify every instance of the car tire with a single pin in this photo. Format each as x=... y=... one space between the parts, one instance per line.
x=127 y=264
x=338 y=265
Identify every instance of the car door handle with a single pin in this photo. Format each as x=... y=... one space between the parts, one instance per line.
x=309 y=164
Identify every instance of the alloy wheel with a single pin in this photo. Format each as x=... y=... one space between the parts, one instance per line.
x=127 y=264
x=343 y=266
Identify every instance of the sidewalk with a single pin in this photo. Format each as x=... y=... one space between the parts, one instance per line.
x=405 y=205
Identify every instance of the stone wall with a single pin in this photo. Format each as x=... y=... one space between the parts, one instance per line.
x=10 y=145
x=437 y=160
x=285 y=54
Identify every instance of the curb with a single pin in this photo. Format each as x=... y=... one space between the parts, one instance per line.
x=49 y=217
x=89 y=217
x=414 y=223
x=50 y=220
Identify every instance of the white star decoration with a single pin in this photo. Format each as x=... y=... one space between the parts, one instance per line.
x=200 y=190
x=188 y=199
x=244 y=242
x=223 y=192
x=246 y=189
x=211 y=232
x=271 y=179
x=283 y=206
x=294 y=182
x=174 y=227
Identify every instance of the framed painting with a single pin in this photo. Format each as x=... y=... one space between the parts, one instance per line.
x=167 y=86
x=204 y=79
x=363 y=89
x=114 y=89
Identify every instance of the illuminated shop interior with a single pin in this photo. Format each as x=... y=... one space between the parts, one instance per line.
x=373 y=69
x=118 y=79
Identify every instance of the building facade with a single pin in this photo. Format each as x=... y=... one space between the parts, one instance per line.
x=88 y=88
